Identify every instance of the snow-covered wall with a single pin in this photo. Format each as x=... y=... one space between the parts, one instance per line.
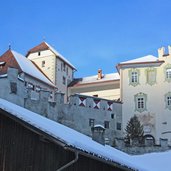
x=80 y=113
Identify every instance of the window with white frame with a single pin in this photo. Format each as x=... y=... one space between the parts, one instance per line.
x=140 y=102
x=151 y=76
x=168 y=72
x=134 y=77
x=168 y=100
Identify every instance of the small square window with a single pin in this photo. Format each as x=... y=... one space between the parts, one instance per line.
x=96 y=95
x=64 y=80
x=112 y=115
x=43 y=63
x=67 y=71
x=168 y=100
x=106 y=124
x=13 y=87
x=118 y=126
x=91 y=122
x=64 y=67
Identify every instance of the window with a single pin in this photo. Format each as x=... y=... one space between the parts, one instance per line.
x=96 y=95
x=91 y=122
x=67 y=70
x=64 y=66
x=118 y=126
x=112 y=115
x=106 y=124
x=61 y=65
x=168 y=100
x=168 y=72
x=43 y=63
x=151 y=76
x=38 y=53
x=13 y=87
x=140 y=102
x=134 y=77
x=64 y=80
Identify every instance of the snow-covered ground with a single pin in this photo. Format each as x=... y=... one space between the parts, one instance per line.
x=74 y=139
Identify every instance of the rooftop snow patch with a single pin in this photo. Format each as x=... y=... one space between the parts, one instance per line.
x=72 y=138
x=29 y=68
x=94 y=78
x=148 y=58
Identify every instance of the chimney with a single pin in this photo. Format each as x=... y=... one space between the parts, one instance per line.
x=169 y=49
x=161 y=52
x=99 y=74
x=98 y=132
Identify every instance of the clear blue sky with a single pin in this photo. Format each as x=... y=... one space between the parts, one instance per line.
x=91 y=34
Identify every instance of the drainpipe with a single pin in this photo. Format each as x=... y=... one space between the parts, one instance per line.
x=70 y=163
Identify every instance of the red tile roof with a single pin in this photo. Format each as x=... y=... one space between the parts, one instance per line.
x=42 y=46
x=10 y=61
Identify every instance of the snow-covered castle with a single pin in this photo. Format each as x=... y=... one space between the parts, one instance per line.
x=44 y=82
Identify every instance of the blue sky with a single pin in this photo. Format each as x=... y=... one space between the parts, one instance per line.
x=91 y=34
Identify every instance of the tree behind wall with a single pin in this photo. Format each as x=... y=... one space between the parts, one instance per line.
x=134 y=131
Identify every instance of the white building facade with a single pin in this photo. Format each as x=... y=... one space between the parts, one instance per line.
x=58 y=69
x=145 y=85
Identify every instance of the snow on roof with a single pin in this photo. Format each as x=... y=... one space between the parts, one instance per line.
x=29 y=68
x=2 y=63
x=147 y=162
x=3 y=75
x=98 y=125
x=148 y=58
x=105 y=77
x=67 y=135
x=59 y=55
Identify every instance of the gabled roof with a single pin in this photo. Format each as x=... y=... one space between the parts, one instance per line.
x=148 y=58
x=20 y=62
x=94 y=79
x=142 y=61
x=45 y=46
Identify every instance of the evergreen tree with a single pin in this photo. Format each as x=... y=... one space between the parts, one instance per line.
x=134 y=130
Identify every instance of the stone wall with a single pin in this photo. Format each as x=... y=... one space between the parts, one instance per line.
x=78 y=113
